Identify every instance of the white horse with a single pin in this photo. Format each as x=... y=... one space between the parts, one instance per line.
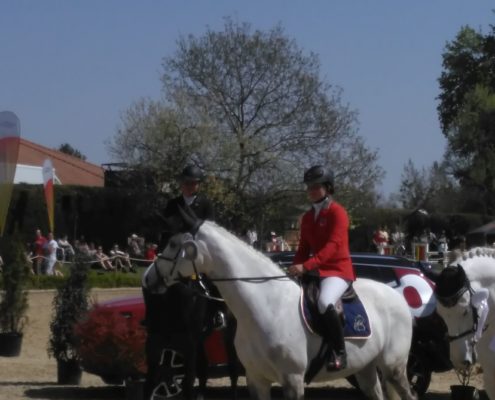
x=466 y=295
x=272 y=340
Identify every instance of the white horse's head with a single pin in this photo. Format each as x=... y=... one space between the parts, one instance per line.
x=456 y=306
x=184 y=254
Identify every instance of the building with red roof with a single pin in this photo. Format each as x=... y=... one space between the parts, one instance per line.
x=69 y=170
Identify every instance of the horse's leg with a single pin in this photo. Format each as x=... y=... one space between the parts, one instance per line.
x=202 y=370
x=259 y=388
x=233 y=360
x=369 y=383
x=189 y=350
x=293 y=386
x=397 y=378
x=153 y=346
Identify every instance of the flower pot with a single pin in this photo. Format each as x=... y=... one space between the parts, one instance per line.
x=463 y=392
x=134 y=389
x=10 y=344
x=68 y=372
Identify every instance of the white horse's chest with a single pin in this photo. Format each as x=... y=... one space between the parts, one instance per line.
x=269 y=328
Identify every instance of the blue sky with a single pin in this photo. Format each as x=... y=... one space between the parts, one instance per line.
x=68 y=69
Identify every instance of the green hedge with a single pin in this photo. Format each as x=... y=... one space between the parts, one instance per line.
x=104 y=216
x=97 y=279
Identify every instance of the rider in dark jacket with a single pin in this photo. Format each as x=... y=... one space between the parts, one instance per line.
x=180 y=298
x=189 y=181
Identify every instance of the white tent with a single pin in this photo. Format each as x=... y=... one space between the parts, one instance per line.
x=32 y=175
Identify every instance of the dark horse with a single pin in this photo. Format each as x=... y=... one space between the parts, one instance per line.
x=178 y=320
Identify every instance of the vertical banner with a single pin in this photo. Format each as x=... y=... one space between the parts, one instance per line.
x=10 y=130
x=48 y=185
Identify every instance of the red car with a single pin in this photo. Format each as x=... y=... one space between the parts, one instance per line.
x=429 y=351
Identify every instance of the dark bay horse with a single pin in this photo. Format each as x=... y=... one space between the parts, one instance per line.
x=178 y=319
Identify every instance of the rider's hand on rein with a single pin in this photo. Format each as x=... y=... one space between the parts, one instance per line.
x=296 y=270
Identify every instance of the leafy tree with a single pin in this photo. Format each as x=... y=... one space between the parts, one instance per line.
x=71 y=151
x=467 y=115
x=430 y=188
x=251 y=109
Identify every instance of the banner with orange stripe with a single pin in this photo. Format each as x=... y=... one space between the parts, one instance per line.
x=48 y=186
x=10 y=131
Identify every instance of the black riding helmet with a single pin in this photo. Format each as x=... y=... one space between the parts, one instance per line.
x=191 y=173
x=318 y=174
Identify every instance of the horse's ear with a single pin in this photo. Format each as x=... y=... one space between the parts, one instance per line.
x=190 y=250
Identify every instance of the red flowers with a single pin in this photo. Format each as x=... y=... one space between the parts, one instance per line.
x=110 y=344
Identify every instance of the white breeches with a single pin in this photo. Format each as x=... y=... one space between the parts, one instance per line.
x=331 y=290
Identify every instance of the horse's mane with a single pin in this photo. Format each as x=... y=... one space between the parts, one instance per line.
x=464 y=267
x=243 y=246
x=458 y=256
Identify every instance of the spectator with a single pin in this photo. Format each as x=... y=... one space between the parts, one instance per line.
x=121 y=260
x=82 y=247
x=398 y=240
x=66 y=248
x=443 y=246
x=51 y=254
x=92 y=249
x=274 y=243
x=29 y=257
x=39 y=248
x=380 y=239
x=252 y=237
x=103 y=259
x=151 y=251
x=135 y=246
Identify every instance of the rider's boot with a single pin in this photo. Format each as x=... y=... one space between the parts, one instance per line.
x=334 y=335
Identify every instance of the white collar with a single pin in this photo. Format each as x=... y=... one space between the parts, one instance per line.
x=317 y=207
x=189 y=199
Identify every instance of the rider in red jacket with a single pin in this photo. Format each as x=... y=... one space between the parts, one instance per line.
x=324 y=249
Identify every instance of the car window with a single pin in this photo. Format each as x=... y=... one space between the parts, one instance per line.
x=377 y=273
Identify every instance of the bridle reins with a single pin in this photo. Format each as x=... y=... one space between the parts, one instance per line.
x=175 y=259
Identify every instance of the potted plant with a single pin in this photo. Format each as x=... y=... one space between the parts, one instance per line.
x=13 y=300
x=69 y=305
x=111 y=346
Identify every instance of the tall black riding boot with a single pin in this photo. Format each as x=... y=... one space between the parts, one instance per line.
x=334 y=335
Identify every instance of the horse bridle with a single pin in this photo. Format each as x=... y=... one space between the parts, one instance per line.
x=199 y=277
x=174 y=260
x=451 y=301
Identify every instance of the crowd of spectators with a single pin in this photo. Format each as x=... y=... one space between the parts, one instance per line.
x=47 y=254
x=395 y=242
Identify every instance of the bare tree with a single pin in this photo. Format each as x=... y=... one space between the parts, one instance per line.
x=252 y=110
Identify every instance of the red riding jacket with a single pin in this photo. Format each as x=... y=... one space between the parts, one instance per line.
x=324 y=243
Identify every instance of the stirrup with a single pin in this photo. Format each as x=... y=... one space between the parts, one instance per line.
x=336 y=362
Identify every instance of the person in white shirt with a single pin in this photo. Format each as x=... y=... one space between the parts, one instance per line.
x=52 y=254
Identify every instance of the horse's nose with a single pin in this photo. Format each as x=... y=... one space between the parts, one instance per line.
x=468 y=359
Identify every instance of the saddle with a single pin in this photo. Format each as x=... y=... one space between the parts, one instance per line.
x=353 y=315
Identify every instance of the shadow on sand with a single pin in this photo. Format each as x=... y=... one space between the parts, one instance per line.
x=50 y=391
